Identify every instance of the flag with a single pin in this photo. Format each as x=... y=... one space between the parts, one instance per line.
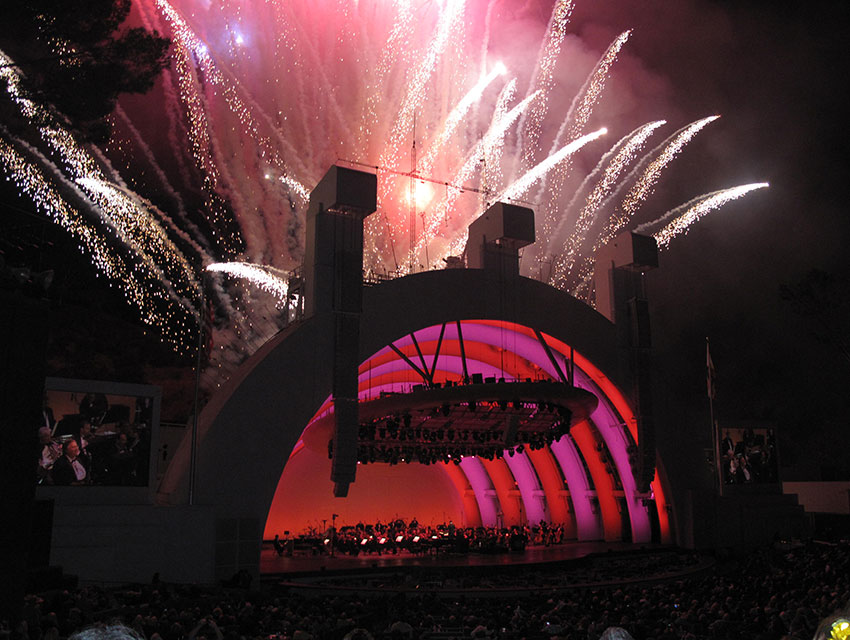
x=711 y=374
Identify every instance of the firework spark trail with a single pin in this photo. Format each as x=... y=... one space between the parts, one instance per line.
x=178 y=325
x=132 y=223
x=155 y=256
x=452 y=122
x=163 y=219
x=493 y=138
x=31 y=180
x=652 y=166
x=543 y=79
x=199 y=130
x=160 y=174
x=260 y=237
x=393 y=52
x=139 y=231
x=187 y=47
x=516 y=189
x=316 y=63
x=261 y=276
x=485 y=45
x=448 y=22
x=687 y=214
x=614 y=162
x=669 y=149
x=492 y=171
x=586 y=99
x=583 y=290
x=147 y=14
x=573 y=124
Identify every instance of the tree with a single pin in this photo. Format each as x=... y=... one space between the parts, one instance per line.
x=823 y=299
x=80 y=56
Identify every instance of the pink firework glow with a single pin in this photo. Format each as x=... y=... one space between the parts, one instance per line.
x=454 y=103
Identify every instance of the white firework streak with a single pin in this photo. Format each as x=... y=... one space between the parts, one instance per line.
x=255 y=228
x=265 y=278
x=494 y=136
x=133 y=282
x=543 y=77
x=187 y=46
x=140 y=233
x=449 y=21
x=582 y=105
x=618 y=159
x=148 y=14
x=456 y=117
x=109 y=189
x=687 y=214
x=524 y=183
x=296 y=188
x=196 y=237
x=575 y=122
x=32 y=182
x=492 y=173
x=392 y=53
x=133 y=222
x=643 y=187
x=485 y=45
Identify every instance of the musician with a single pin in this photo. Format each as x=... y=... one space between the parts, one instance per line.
x=51 y=451
x=71 y=468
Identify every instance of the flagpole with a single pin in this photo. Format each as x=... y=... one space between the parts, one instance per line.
x=715 y=436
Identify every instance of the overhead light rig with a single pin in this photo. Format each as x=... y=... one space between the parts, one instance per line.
x=488 y=418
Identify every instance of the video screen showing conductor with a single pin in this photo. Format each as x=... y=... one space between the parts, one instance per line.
x=89 y=438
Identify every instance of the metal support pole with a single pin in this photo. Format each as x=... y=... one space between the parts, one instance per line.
x=715 y=436
x=193 y=454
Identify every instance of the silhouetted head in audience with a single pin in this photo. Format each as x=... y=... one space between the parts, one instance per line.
x=107 y=632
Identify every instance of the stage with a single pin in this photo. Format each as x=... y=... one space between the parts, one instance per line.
x=304 y=565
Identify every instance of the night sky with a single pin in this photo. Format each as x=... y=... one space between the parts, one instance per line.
x=775 y=71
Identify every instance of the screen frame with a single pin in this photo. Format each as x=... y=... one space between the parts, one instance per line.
x=109 y=494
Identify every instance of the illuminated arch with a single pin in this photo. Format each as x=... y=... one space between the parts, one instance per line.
x=513 y=487
x=248 y=428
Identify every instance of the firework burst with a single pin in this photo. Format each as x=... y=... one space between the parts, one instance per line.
x=263 y=96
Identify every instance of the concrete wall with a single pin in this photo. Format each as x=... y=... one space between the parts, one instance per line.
x=128 y=543
x=249 y=428
x=741 y=521
x=821 y=497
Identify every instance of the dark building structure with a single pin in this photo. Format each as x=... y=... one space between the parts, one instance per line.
x=549 y=404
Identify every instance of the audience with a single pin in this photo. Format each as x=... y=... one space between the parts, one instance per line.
x=772 y=594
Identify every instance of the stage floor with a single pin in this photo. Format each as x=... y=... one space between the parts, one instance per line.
x=300 y=565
